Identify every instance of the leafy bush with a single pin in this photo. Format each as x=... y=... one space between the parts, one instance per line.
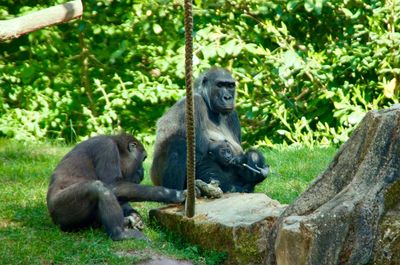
x=308 y=70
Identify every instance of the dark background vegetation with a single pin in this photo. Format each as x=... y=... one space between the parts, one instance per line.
x=307 y=70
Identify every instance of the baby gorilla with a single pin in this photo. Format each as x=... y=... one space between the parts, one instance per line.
x=235 y=173
x=96 y=180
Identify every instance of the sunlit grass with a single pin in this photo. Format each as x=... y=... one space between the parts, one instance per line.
x=292 y=169
x=28 y=236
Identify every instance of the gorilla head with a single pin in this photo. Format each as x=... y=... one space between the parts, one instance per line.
x=132 y=156
x=254 y=168
x=221 y=152
x=217 y=87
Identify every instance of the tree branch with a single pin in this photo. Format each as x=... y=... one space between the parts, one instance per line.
x=16 y=27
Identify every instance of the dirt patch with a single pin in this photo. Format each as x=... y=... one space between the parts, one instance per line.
x=149 y=257
x=160 y=260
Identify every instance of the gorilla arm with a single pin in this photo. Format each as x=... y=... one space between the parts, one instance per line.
x=106 y=160
x=203 y=125
x=233 y=123
x=126 y=191
x=169 y=160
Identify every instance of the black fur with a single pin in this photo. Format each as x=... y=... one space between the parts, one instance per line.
x=95 y=182
x=216 y=120
x=235 y=173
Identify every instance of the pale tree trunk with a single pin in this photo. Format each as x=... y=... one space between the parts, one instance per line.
x=16 y=27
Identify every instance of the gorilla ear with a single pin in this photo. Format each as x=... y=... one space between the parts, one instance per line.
x=131 y=146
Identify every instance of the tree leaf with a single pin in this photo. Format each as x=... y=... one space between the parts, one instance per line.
x=157 y=28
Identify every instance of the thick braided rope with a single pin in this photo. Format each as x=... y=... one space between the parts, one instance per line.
x=190 y=128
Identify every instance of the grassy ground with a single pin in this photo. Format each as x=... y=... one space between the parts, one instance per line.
x=28 y=236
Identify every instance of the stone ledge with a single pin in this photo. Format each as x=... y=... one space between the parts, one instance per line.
x=237 y=223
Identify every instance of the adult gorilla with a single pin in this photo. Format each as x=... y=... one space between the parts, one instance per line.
x=216 y=121
x=94 y=183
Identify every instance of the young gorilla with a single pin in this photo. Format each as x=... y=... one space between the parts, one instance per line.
x=95 y=182
x=235 y=173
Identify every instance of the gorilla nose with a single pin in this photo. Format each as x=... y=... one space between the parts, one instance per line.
x=227 y=97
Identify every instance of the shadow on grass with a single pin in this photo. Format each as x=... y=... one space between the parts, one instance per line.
x=35 y=216
x=192 y=252
x=37 y=219
x=30 y=237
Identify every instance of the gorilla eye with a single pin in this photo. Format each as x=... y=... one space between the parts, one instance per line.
x=220 y=84
x=226 y=152
x=131 y=146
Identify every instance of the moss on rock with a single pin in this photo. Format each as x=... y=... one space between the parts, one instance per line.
x=236 y=223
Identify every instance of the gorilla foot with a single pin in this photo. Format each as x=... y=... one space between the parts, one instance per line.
x=134 y=221
x=211 y=190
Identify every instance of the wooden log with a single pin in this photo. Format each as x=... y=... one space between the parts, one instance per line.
x=16 y=27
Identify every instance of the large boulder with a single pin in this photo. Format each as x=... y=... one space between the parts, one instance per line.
x=337 y=219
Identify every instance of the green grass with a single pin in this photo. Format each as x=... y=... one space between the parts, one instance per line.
x=28 y=236
x=292 y=169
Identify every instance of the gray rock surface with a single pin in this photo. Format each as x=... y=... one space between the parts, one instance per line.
x=237 y=223
x=336 y=220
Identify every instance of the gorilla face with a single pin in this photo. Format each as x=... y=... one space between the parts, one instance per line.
x=223 y=95
x=218 y=90
x=220 y=152
x=132 y=161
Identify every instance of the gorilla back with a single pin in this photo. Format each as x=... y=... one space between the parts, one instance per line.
x=215 y=120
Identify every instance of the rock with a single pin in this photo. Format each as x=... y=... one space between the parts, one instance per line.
x=387 y=248
x=337 y=219
x=387 y=245
x=237 y=223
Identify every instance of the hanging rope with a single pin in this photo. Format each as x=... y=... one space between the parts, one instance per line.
x=190 y=128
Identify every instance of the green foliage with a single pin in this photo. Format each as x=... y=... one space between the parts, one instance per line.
x=308 y=70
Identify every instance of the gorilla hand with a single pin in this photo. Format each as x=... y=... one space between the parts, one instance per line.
x=263 y=171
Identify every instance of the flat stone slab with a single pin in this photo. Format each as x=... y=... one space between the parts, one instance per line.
x=237 y=223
